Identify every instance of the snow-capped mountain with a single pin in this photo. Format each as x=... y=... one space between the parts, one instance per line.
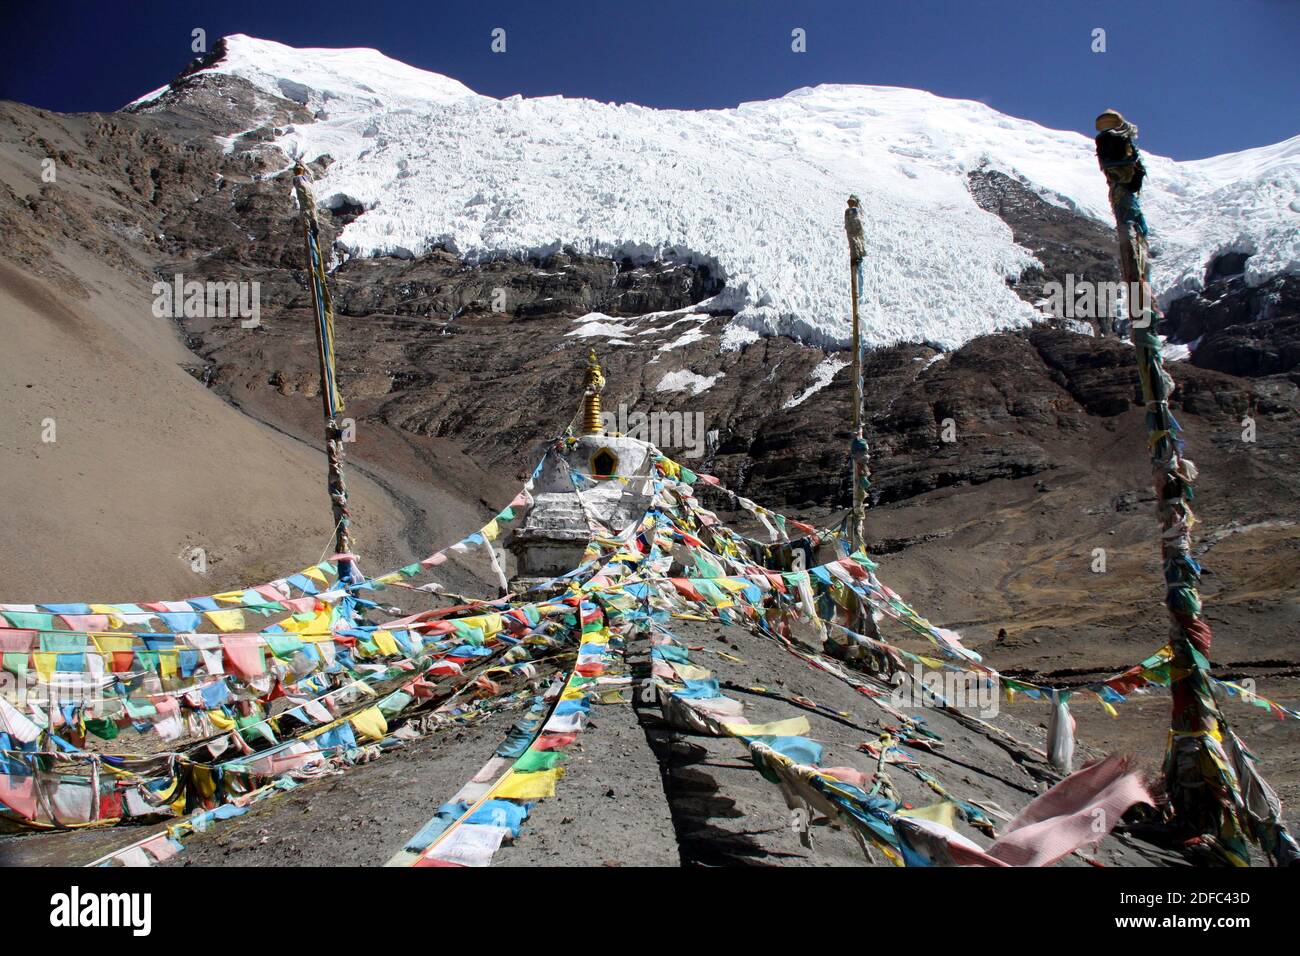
x=756 y=193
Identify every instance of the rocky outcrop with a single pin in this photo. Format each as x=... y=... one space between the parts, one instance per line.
x=1238 y=328
x=439 y=284
x=1064 y=242
x=1233 y=327
x=1257 y=349
x=1226 y=300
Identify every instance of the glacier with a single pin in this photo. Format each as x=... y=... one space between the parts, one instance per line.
x=756 y=193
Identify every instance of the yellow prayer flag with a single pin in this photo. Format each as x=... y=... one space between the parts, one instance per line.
x=370 y=724
x=45 y=662
x=691 y=672
x=489 y=624
x=944 y=812
x=228 y=620
x=528 y=786
x=790 y=727
x=108 y=643
x=114 y=615
x=168 y=663
x=316 y=574
x=384 y=641
x=203 y=781
x=318 y=623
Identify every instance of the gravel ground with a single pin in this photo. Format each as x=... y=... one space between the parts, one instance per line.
x=359 y=818
x=728 y=814
x=609 y=807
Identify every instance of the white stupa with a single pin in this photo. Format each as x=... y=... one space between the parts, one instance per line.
x=596 y=482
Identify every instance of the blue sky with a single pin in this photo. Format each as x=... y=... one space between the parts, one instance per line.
x=1199 y=76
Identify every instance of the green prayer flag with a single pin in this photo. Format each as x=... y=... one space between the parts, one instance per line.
x=104 y=728
x=532 y=760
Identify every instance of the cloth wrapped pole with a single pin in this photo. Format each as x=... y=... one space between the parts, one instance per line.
x=321 y=300
x=858 y=453
x=1203 y=786
x=331 y=399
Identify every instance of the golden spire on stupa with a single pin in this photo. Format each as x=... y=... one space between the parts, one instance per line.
x=594 y=382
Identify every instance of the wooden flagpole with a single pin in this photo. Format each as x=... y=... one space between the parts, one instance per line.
x=331 y=400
